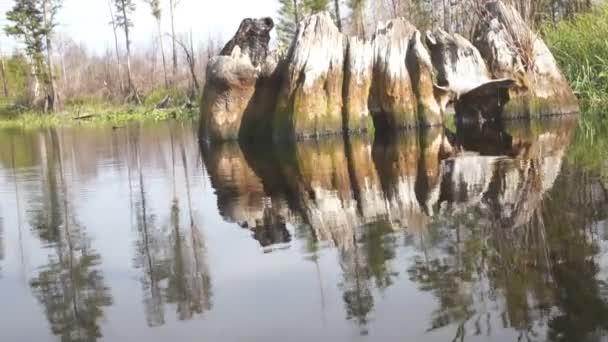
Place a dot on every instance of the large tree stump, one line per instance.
(310, 100)
(357, 82)
(229, 88)
(512, 50)
(462, 71)
(392, 99)
(231, 80)
(420, 68)
(329, 83)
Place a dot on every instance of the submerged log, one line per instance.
(329, 83)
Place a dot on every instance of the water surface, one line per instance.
(141, 233)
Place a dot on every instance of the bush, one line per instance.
(178, 96)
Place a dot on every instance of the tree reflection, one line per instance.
(574, 242)
(150, 257)
(503, 234)
(70, 286)
(1, 243)
(507, 243)
(365, 265)
(189, 283)
(172, 254)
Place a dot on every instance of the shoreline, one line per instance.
(98, 115)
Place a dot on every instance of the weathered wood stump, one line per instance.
(464, 73)
(329, 83)
(357, 83)
(428, 97)
(512, 50)
(232, 77)
(392, 98)
(310, 101)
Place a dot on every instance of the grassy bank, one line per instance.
(99, 112)
(94, 115)
(581, 49)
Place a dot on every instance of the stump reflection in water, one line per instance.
(473, 203)
(142, 233)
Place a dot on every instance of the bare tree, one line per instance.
(124, 9)
(189, 52)
(358, 8)
(3, 73)
(155, 5)
(338, 16)
(49, 11)
(172, 6)
(114, 27)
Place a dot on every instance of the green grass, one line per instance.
(581, 49)
(93, 114)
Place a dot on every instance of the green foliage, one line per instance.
(27, 23)
(315, 6)
(17, 73)
(356, 5)
(124, 8)
(155, 7)
(357, 8)
(96, 114)
(157, 95)
(579, 46)
(33, 22)
(289, 14)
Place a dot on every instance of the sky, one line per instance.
(87, 21)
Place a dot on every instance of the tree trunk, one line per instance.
(172, 4)
(338, 16)
(64, 73)
(191, 62)
(4, 81)
(193, 68)
(132, 89)
(296, 12)
(122, 86)
(395, 13)
(362, 23)
(446, 15)
(162, 51)
(34, 84)
(52, 97)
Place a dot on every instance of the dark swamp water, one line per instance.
(142, 234)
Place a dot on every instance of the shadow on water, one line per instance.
(500, 226)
